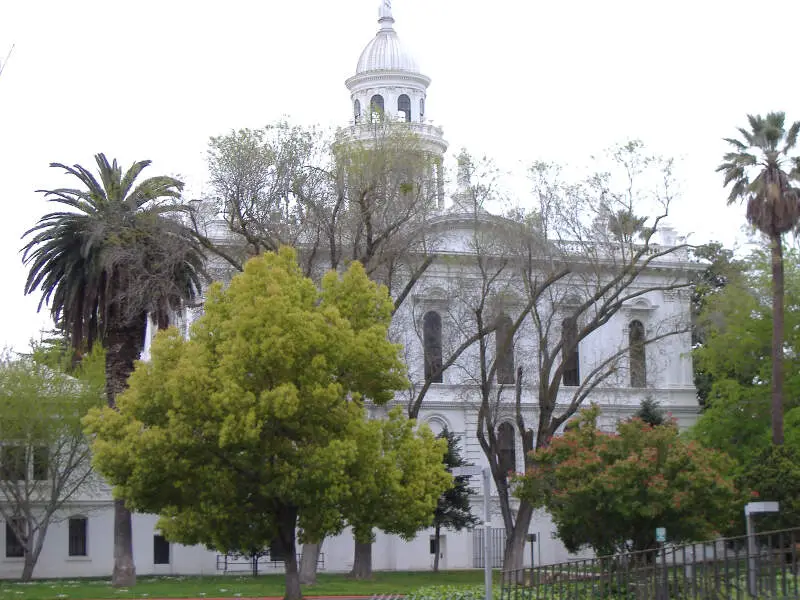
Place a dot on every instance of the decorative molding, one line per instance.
(641, 306)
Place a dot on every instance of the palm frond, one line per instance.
(739, 145)
(131, 175)
(791, 137)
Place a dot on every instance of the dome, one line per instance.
(384, 52)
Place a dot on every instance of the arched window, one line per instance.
(637, 357)
(432, 342)
(421, 109)
(404, 106)
(357, 111)
(572, 359)
(506, 448)
(376, 108)
(504, 350)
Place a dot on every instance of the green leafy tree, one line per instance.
(610, 491)
(258, 413)
(453, 510)
(721, 270)
(763, 174)
(115, 253)
(395, 483)
(736, 356)
(44, 457)
(775, 475)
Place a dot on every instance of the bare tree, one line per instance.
(365, 194)
(536, 286)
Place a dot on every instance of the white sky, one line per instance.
(517, 80)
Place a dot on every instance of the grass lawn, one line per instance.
(232, 586)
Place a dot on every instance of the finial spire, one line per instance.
(385, 14)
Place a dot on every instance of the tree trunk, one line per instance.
(362, 562)
(286, 533)
(777, 340)
(28, 566)
(124, 344)
(293, 591)
(437, 531)
(124, 574)
(514, 555)
(308, 563)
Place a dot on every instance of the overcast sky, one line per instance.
(517, 80)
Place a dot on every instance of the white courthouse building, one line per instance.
(387, 78)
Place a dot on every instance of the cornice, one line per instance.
(385, 76)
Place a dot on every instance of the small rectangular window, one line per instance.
(77, 536)
(160, 550)
(14, 547)
(41, 463)
(12, 463)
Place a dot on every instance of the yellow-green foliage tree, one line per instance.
(395, 483)
(251, 428)
(610, 491)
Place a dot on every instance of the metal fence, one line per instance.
(766, 566)
(497, 539)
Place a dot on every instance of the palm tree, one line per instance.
(117, 254)
(763, 174)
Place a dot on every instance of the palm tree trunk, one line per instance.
(124, 344)
(777, 339)
(124, 574)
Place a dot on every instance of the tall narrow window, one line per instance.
(357, 111)
(637, 357)
(572, 359)
(12, 463)
(77, 536)
(160, 550)
(506, 448)
(432, 342)
(14, 547)
(421, 109)
(376, 108)
(404, 106)
(504, 350)
(41, 463)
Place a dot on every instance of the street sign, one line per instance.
(661, 534)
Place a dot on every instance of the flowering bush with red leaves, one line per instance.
(611, 491)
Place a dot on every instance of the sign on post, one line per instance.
(661, 534)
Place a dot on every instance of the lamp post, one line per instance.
(487, 521)
(751, 509)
